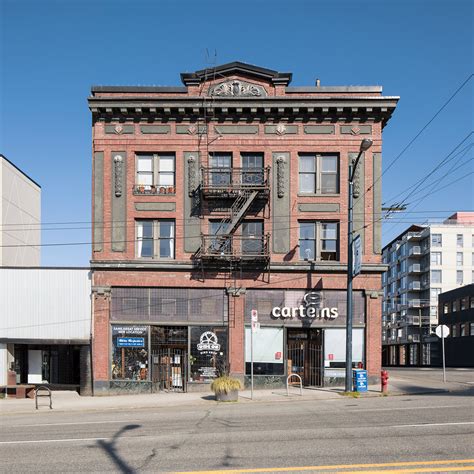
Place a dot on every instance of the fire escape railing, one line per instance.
(228, 247)
(219, 182)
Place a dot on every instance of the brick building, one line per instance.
(222, 196)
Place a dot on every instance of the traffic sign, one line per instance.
(254, 314)
(442, 330)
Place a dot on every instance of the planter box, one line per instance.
(232, 396)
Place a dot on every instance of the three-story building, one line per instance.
(223, 196)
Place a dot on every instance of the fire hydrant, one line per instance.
(384, 381)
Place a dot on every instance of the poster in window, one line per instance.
(208, 357)
(129, 352)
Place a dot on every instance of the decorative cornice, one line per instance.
(291, 108)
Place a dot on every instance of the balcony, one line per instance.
(415, 251)
(414, 236)
(415, 304)
(415, 268)
(152, 190)
(235, 248)
(228, 182)
(414, 286)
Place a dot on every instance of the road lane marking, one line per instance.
(72, 423)
(352, 466)
(421, 469)
(67, 440)
(433, 424)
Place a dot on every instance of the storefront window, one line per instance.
(129, 352)
(208, 355)
(267, 351)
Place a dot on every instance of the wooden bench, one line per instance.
(18, 391)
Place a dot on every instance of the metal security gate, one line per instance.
(170, 369)
(304, 354)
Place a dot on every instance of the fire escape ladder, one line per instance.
(237, 212)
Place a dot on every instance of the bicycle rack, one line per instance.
(38, 393)
(287, 384)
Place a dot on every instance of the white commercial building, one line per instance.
(424, 261)
(20, 217)
(45, 326)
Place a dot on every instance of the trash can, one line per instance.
(359, 380)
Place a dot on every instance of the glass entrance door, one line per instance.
(305, 355)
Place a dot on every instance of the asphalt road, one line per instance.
(295, 436)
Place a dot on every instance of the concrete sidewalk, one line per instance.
(71, 401)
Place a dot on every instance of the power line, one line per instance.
(444, 161)
(420, 132)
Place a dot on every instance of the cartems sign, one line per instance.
(311, 309)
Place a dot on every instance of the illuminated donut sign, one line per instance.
(311, 309)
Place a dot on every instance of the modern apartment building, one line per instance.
(20, 217)
(424, 261)
(223, 198)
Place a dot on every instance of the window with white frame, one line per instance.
(318, 174)
(459, 277)
(436, 258)
(155, 238)
(319, 240)
(459, 259)
(459, 240)
(434, 292)
(436, 240)
(157, 169)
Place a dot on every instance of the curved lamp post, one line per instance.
(364, 146)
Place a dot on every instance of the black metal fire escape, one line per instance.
(239, 189)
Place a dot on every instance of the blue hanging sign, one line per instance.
(130, 342)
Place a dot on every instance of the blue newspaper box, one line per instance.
(359, 377)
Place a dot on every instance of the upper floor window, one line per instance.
(436, 276)
(319, 240)
(156, 169)
(459, 259)
(318, 174)
(459, 240)
(155, 238)
(436, 258)
(252, 237)
(252, 168)
(459, 277)
(436, 240)
(221, 168)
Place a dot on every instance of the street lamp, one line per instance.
(364, 146)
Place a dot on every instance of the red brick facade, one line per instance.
(351, 114)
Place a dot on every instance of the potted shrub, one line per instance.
(226, 388)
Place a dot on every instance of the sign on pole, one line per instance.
(356, 255)
(254, 328)
(442, 331)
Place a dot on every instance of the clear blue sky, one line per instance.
(53, 51)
